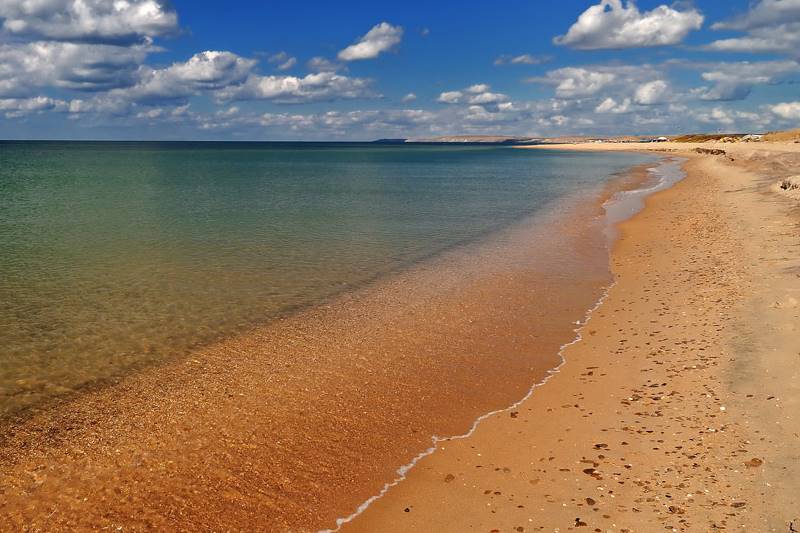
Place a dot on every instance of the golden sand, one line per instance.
(678, 410)
(675, 411)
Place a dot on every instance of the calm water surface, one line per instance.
(115, 255)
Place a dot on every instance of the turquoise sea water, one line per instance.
(115, 255)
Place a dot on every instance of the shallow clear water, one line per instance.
(114, 255)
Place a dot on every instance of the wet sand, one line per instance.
(678, 410)
(297, 423)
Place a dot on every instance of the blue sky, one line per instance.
(146, 69)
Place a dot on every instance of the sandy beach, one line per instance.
(348, 267)
(678, 408)
(674, 410)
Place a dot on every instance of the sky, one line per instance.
(256, 70)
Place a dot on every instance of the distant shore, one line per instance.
(678, 409)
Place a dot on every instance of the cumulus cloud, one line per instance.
(168, 114)
(524, 59)
(450, 97)
(81, 67)
(364, 123)
(575, 82)
(206, 71)
(381, 38)
(18, 107)
(770, 26)
(730, 117)
(77, 57)
(477, 88)
(615, 24)
(609, 105)
(319, 86)
(651, 93)
(478, 94)
(88, 21)
(223, 76)
(488, 98)
(100, 46)
(537, 118)
(781, 38)
(735, 80)
(787, 110)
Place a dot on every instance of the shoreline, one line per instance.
(12, 414)
(260, 432)
(611, 230)
(492, 480)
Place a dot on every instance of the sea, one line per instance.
(115, 256)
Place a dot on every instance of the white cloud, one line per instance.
(651, 93)
(204, 71)
(558, 120)
(82, 67)
(338, 122)
(168, 114)
(450, 97)
(524, 59)
(609, 105)
(207, 72)
(225, 77)
(101, 47)
(763, 13)
(318, 86)
(17, 107)
(780, 38)
(770, 26)
(787, 110)
(488, 97)
(478, 94)
(477, 88)
(735, 81)
(282, 60)
(88, 21)
(615, 24)
(99, 104)
(381, 38)
(575, 82)
(730, 117)
(479, 114)
(231, 111)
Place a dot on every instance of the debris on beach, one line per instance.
(710, 151)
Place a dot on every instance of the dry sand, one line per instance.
(679, 409)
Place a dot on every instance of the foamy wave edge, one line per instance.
(402, 472)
